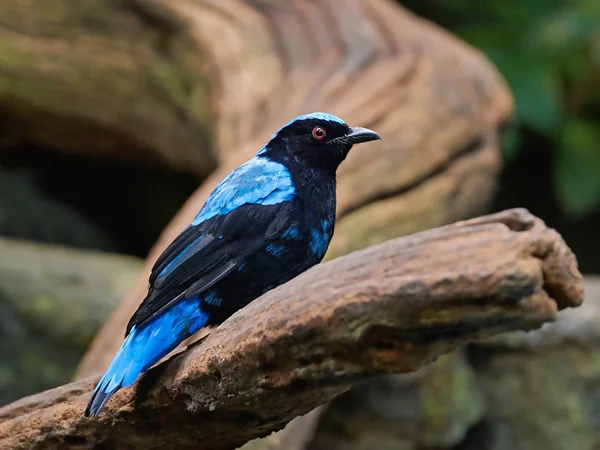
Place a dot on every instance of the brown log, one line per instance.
(437, 103)
(104, 78)
(391, 308)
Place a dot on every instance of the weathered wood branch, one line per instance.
(437, 103)
(391, 308)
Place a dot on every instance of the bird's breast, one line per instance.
(319, 219)
(320, 237)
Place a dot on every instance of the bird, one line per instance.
(268, 221)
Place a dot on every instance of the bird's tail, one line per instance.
(144, 347)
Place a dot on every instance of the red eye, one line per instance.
(318, 133)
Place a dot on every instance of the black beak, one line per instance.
(358, 135)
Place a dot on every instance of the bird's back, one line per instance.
(299, 245)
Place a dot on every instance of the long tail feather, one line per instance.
(144, 347)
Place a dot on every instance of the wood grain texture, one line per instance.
(437, 103)
(391, 308)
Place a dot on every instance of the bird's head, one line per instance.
(317, 140)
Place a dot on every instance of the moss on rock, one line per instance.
(52, 302)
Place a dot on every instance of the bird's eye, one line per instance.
(318, 133)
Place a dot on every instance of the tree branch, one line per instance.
(391, 308)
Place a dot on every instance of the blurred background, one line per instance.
(549, 53)
(81, 205)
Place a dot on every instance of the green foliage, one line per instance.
(549, 53)
(577, 174)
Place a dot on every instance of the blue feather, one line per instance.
(318, 242)
(275, 249)
(145, 346)
(212, 298)
(320, 239)
(293, 232)
(258, 181)
(317, 116)
(182, 257)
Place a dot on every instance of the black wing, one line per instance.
(205, 253)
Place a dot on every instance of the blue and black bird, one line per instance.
(268, 221)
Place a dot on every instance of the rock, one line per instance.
(542, 389)
(516, 391)
(52, 302)
(433, 408)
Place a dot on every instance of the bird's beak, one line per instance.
(359, 134)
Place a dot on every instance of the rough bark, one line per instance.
(52, 302)
(515, 391)
(437, 103)
(391, 308)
